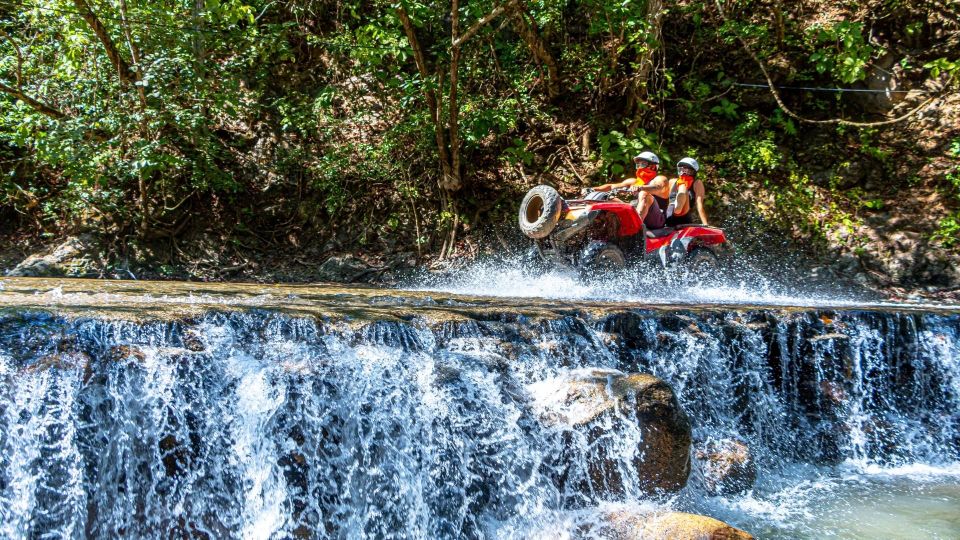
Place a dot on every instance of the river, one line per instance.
(142, 409)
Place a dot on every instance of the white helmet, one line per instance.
(689, 162)
(647, 156)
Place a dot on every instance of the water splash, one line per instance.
(739, 283)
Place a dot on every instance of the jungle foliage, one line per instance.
(402, 123)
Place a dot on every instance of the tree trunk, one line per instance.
(451, 182)
(531, 36)
(429, 94)
(134, 55)
(640, 89)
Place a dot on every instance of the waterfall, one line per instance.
(256, 424)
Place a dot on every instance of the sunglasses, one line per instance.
(642, 163)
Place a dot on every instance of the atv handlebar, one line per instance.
(611, 191)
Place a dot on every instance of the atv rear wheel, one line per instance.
(600, 257)
(540, 212)
(702, 261)
(532, 261)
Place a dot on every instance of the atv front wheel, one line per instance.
(540, 212)
(601, 257)
(702, 261)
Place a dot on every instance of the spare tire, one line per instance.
(540, 211)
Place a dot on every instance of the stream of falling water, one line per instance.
(254, 424)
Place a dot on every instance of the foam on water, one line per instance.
(817, 503)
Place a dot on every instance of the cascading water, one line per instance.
(254, 423)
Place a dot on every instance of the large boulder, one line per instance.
(595, 403)
(665, 526)
(727, 465)
(70, 258)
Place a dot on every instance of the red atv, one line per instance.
(601, 232)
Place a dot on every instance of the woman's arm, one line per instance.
(701, 195)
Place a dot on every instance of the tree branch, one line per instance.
(16, 46)
(134, 55)
(528, 30)
(795, 116)
(494, 13)
(36, 105)
(123, 69)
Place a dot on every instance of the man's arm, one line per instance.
(654, 185)
(607, 187)
(701, 195)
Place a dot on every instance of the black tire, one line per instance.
(702, 261)
(540, 212)
(601, 257)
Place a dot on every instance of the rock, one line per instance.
(587, 400)
(173, 454)
(833, 392)
(853, 173)
(61, 361)
(120, 353)
(848, 263)
(728, 467)
(343, 269)
(666, 526)
(883, 77)
(64, 260)
(192, 341)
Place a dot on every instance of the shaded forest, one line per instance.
(227, 139)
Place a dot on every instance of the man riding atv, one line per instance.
(649, 211)
(599, 232)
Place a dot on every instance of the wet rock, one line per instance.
(67, 259)
(61, 361)
(589, 400)
(828, 352)
(121, 353)
(304, 532)
(728, 467)
(833, 393)
(193, 342)
(173, 454)
(665, 526)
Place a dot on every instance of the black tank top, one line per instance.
(692, 195)
(662, 203)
